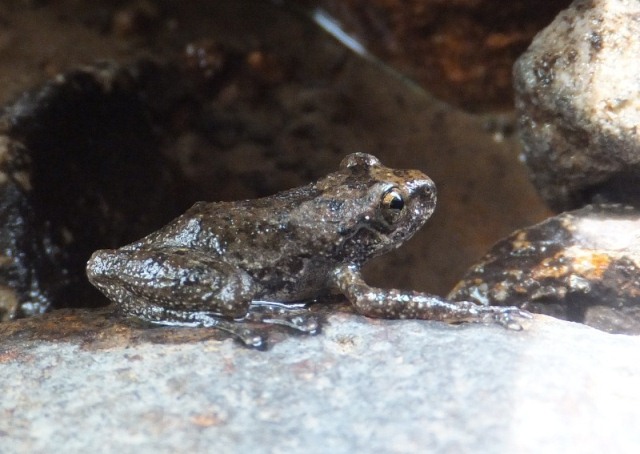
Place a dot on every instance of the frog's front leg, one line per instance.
(381, 303)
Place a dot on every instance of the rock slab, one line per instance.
(362, 385)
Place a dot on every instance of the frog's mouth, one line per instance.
(372, 238)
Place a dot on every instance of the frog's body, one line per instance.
(208, 265)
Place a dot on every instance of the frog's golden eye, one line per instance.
(392, 204)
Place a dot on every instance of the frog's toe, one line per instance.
(509, 317)
(249, 337)
(511, 323)
(255, 341)
(306, 323)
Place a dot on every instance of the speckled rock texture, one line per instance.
(578, 105)
(82, 381)
(581, 265)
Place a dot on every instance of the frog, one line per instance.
(224, 264)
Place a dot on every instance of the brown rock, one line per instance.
(79, 169)
(461, 51)
(582, 266)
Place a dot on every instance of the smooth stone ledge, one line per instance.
(361, 386)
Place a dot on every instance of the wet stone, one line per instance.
(79, 169)
(582, 266)
(578, 105)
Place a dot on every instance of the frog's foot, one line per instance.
(249, 337)
(171, 317)
(510, 317)
(294, 316)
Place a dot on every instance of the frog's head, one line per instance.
(384, 207)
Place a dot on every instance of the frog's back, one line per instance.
(231, 228)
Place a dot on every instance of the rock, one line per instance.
(461, 51)
(582, 265)
(372, 385)
(79, 169)
(578, 105)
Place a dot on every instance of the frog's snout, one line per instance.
(423, 189)
(422, 199)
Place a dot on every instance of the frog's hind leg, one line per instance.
(131, 305)
(174, 286)
(177, 279)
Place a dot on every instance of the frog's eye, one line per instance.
(392, 204)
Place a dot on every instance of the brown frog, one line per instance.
(221, 264)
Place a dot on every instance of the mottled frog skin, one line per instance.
(221, 264)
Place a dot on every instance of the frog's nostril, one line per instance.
(423, 187)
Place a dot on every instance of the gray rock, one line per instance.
(578, 104)
(84, 382)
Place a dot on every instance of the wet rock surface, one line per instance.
(97, 382)
(461, 51)
(578, 105)
(581, 265)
